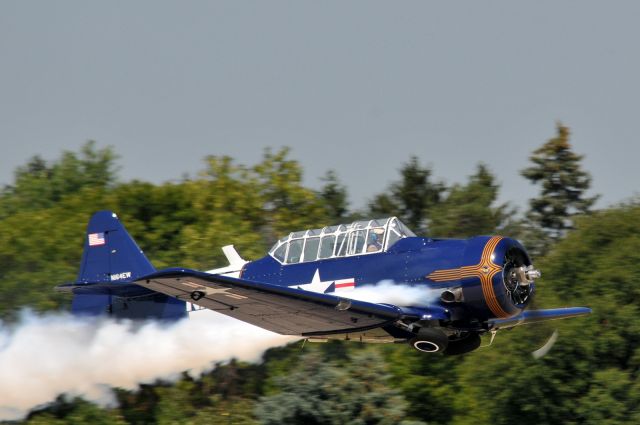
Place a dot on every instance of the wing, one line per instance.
(535, 316)
(276, 308)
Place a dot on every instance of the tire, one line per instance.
(430, 340)
(463, 345)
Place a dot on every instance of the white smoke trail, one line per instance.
(389, 292)
(45, 356)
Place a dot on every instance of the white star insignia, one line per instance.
(316, 284)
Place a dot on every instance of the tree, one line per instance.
(287, 204)
(563, 185)
(469, 209)
(322, 392)
(75, 412)
(39, 185)
(334, 196)
(590, 375)
(411, 198)
(428, 383)
(250, 207)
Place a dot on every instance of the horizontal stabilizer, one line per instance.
(232, 256)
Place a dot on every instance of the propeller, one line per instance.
(519, 275)
(544, 350)
(543, 332)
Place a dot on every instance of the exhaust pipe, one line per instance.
(452, 295)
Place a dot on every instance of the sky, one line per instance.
(354, 86)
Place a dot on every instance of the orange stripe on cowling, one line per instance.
(489, 270)
(485, 270)
(486, 282)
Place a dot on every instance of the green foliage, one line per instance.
(411, 198)
(227, 210)
(563, 185)
(461, 210)
(222, 396)
(427, 383)
(469, 209)
(334, 197)
(287, 204)
(39, 185)
(612, 399)
(76, 412)
(39, 249)
(175, 224)
(590, 376)
(322, 392)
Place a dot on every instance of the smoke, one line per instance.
(389, 292)
(45, 356)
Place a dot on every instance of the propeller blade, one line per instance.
(544, 350)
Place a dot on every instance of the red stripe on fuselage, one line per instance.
(345, 284)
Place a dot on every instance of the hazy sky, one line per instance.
(357, 86)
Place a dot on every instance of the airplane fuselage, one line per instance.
(469, 269)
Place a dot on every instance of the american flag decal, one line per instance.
(96, 239)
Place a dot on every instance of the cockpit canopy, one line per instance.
(357, 238)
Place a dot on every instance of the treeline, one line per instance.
(587, 258)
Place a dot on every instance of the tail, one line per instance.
(111, 261)
(110, 254)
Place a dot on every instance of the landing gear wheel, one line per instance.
(463, 345)
(196, 295)
(430, 340)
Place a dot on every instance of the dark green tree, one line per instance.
(411, 198)
(429, 384)
(40, 185)
(323, 392)
(557, 169)
(470, 209)
(76, 412)
(334, 195)
(287, 204)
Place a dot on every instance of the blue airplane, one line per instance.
(301, 287)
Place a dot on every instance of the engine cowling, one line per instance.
(504, 282)
(496, 278)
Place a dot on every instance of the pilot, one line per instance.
(375, 240)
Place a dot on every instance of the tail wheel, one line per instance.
(430, 340)
(463, 345)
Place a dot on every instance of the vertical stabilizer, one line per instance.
(110, 254)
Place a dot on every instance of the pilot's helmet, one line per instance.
(376, 233)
